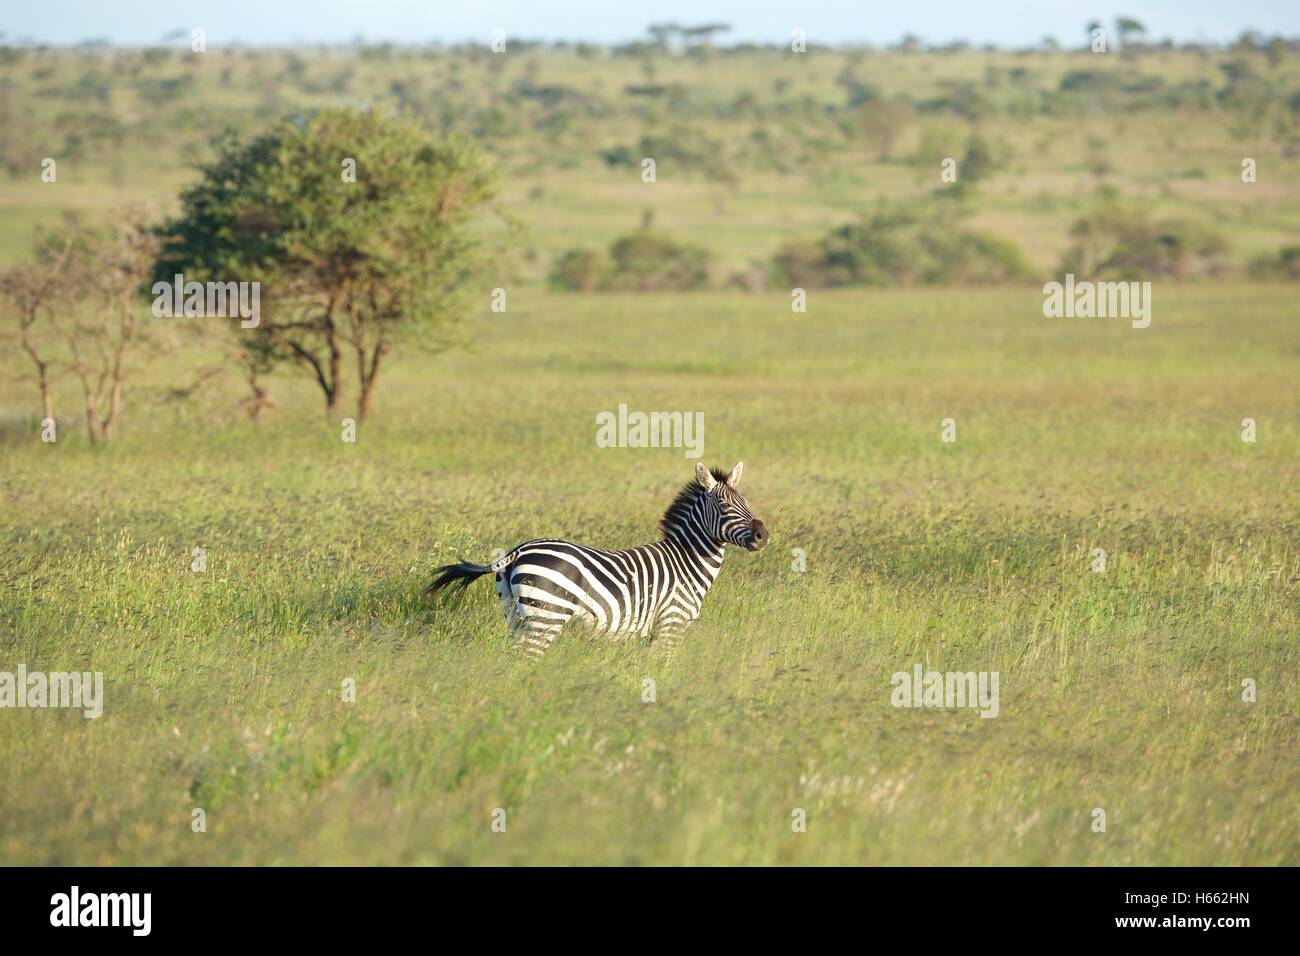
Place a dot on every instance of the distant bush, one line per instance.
(933, 145)
(681, 145)
(1090, 81)
(1284, 264)
(978, 163)
(646, 261)
(901, 245)
(1115, 241)
(805, 265)
(1189, 95)
(579, 270)
(643, 261)
(960, 97)
(753, 278)
(881, 122)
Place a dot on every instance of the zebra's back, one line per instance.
(545, 583)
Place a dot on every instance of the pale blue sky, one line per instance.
(1002, 22)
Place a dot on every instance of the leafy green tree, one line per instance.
(1118, 242)
(883, 121)
(645, 261)
(978, 163)
(579, 270)
(702, 34)
(357, 228)
(1130, 31)
(663, 34)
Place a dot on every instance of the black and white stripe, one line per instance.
(655, 590)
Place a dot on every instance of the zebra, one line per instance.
(654, 590)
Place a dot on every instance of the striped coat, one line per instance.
(655, 590)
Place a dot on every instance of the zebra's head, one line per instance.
(724, 511)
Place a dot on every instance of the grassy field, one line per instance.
(1120, 690)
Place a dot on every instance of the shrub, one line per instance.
(978, 163)
(1120, 242)
(643, 261)
(646, 261)
(1284, 264)
(682, 145)
(899, 245)
(804, 265)
(579, 270)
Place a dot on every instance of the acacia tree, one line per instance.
(883, 121)
(31, 295)
(703, 33)
(355, 226)
(1130, 31)
(75, 310)
(662, 34)
(106, 273)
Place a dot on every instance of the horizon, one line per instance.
(827, 23)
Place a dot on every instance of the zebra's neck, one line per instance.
(696, 568)
(697, 547)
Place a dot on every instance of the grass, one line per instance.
(1119, 690)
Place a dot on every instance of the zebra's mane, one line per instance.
(681, 505)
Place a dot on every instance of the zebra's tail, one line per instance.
(464, 572)
(460, 574)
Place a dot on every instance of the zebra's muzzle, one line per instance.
(759, 531)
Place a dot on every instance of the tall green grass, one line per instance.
(1120, 690)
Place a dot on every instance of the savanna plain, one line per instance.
(1122, 689)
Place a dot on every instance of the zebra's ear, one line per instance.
(733, 479)
(702, 475)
